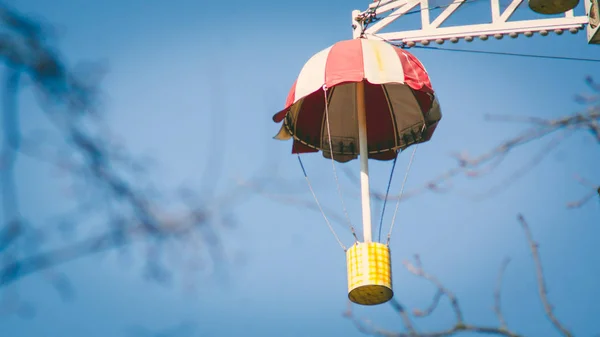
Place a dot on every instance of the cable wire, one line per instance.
(426, 8)
(387, 192)
(403, 45)
(551, 57)
(337, 180)
(412, 157)
(319, 205)
(370, 20)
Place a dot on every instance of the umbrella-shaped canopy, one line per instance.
(401, 108)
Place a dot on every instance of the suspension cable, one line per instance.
(387, 192)
(337, 181)
(319, 205)
(412, 157)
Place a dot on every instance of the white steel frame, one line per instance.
(432, 32)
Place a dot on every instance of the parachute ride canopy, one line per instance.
(366, 98)
(400, 105)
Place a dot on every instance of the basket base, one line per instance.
(370, 294)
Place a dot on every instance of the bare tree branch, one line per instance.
(594, 192)
(183, 329)
(8, 159)
(543, 293)
(460, 326)
(484, 164)
(108, 183)
(498, 293)
(434, 303)
(417, 270)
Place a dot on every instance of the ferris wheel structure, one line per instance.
(381, 13)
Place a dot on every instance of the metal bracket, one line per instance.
(498, 28)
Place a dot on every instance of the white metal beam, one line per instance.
(509, 11)
(405, 7)
(495, 10)
(446, 13)
(425, 20)
(485, 30)
(500, 25)
(386, 6)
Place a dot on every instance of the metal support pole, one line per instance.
(356, 25)
(364, 161)
(363, 150)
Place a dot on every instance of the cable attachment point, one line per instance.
(367, 17)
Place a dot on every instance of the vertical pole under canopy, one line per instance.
(364, 161)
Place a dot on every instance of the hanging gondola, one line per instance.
(368, 99)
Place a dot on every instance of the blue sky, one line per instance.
(287, 276)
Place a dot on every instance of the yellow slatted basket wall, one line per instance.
(369, 273)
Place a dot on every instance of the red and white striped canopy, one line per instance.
(401, 107)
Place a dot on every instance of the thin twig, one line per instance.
(87, 154)
(417, 270)
(460, 325)
(543, 292)
(498, 292)
(431, 308)
(594, 192)
(399, 308)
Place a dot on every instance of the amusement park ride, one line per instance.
(500, 25)
(369, 98)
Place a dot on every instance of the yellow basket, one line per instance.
(369, 273)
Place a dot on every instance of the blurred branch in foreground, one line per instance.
(461, 325)
(594, 191)
(112, 188)
(183, 329)
(557, 130)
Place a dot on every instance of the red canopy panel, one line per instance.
(400, 103)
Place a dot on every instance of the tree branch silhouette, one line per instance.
(112, 182)
(557, 129)
(460, 325)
